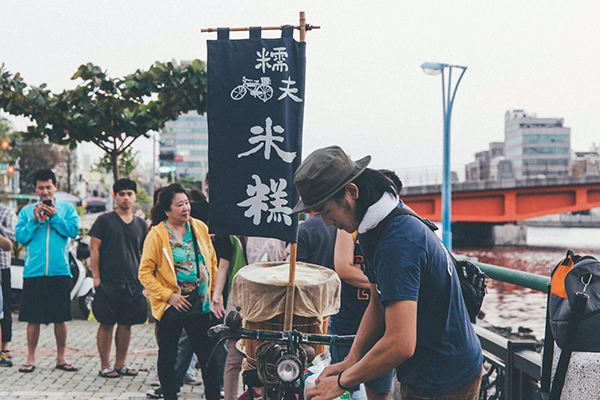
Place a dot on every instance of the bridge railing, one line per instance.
(513, 367)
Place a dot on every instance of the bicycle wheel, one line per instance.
(238, 92)
(264, 93)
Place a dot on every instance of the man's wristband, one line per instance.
(340, 383)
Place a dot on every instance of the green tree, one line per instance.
(112, 113)
(143, 199)
(187, 182)
(128, 162)
(5, 129)
(34, 155)
(37, 154)
(6, 133)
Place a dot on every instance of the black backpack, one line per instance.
(572, 316)
(472, 279)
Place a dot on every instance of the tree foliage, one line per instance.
(128, 162)
(188, 182)
(144, 201)
(34, 155)
(37, 154)
(112, 113)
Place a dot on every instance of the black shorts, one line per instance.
(46, 300)
(120, 303)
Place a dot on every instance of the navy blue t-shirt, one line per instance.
(316, 242)
(411, 263)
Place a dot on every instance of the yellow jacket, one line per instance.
(157, 271)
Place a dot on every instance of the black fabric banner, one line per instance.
(255, 112)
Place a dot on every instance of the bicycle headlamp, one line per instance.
(289, 368)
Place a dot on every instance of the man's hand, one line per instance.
(333, 370)
(96, 282)
(326, 388)
(36, 213)
(47, 210)
(180, 302)
(216, 306)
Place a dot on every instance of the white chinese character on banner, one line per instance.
(258, 201)
(279, 56)
(289, 91)
(268, 141)
(263, 60)
(279, 211)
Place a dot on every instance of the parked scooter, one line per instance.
(82, 286)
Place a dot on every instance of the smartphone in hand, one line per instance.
(47, 202)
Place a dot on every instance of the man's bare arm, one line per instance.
(5, 243)
(95, 260)
(217, 306)
(372, 328)
(396, 346)
(344, 261)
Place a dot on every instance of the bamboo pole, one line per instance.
(291, 290)
(302, 26)
(288, 319)
(307, 27)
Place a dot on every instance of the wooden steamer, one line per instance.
(260, 290)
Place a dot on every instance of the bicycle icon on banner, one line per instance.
(260, 89)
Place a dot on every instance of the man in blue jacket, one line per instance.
(45, 228)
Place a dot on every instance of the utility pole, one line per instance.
(153, 176)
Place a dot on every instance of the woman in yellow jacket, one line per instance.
(178, 269)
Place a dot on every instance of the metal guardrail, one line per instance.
(519, 278)
(513, 369)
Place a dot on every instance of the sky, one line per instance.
(365, 90)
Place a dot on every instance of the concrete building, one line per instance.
(536, 146)
(489, 165)
(586, 163)
(184, 146)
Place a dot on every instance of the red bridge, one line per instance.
(507, 200)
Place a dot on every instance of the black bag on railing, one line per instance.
(472, 279)
(572, 317)
(472, 283)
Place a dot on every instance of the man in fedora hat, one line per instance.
(416, 320)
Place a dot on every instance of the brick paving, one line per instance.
(46, 382)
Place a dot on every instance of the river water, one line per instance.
(512, 307)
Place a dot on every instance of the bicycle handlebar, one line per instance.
(279, 336)
(233, 326)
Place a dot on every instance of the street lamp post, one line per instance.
(448, 95)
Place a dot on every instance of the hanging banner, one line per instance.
(255, 111)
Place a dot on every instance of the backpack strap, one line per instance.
(370, 239)
(546, 379)
(565, 355)
(196, 251)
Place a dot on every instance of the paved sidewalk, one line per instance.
(46, 382)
